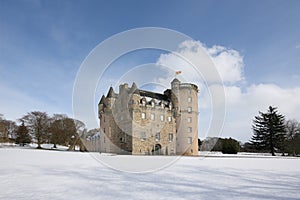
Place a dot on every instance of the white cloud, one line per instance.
(228, 62)
(242, 103)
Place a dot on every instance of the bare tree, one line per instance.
(292, 129)
(7, 129)
(38, 125)
(292, 137)
(62, 128)
(3, 132)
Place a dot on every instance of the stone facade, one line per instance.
(141, 122)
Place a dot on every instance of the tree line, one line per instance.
(39, 127)
(271, 133)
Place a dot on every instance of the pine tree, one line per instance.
(269, 131)
(22, 135)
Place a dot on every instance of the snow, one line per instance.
(50, 146)
(44, 175)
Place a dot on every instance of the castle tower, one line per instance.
(185, 101)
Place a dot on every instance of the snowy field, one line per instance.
(43, 175)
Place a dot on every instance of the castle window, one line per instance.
(189, 99)
(169, 119)
(143, 115)
(189, 119)
(152, 116)
(123, 139)
(104, 130)
(152, 104)
(189, 109)
(103, 118)
(109, 131)
(162, 118)
(170, 137)
(190, 140)
(143, 136)
(162, 105)
(157, 136)
(104, 139)
(189, 129)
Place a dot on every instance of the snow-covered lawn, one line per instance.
(43, 175)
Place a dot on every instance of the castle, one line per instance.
(140, 122)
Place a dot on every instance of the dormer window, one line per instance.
(152, 104)
(143, 101)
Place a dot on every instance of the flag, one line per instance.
(178, 72)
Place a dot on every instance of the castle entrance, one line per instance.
(157, 150)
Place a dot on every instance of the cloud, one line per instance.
(242, 101)
(228, 62)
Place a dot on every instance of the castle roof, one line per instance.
(154, 95)
(102, 100)
(111, 93)
(175, 80)
(134, 89)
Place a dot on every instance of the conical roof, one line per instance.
(134, 89)
(134, 86)
(111, 93)
(102, 100)
(175, 80)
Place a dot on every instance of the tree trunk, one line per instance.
(272, 152)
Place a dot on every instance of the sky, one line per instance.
(255, 46)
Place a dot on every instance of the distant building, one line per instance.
(141, 122)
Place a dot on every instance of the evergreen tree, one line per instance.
(269, 131)
(22, 135)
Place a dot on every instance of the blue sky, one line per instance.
(43, 43)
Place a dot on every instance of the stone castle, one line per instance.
(141, 122)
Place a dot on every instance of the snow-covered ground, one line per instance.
(43, 175)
